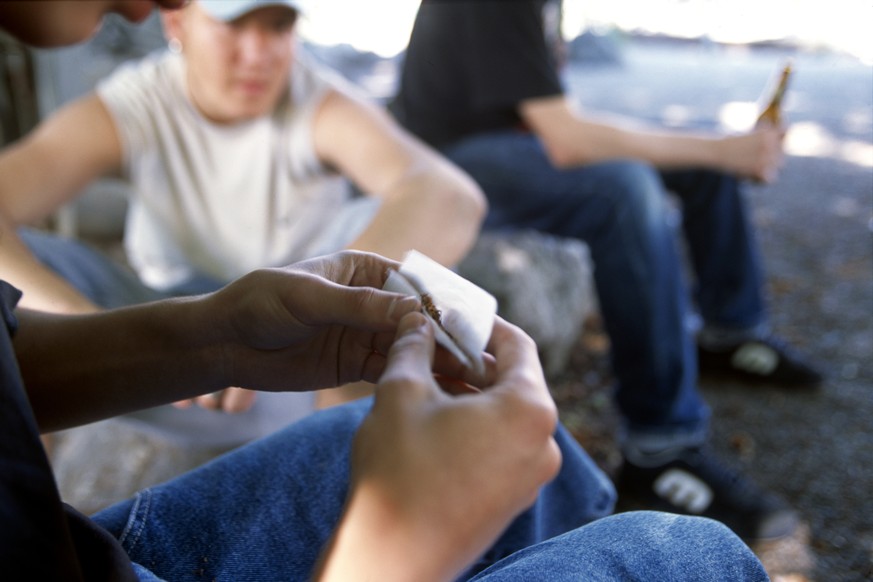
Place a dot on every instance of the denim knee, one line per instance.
(638, 546)
(636, 192)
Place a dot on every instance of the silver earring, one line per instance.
(175, 46)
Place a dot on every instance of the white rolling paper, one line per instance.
(461, 313)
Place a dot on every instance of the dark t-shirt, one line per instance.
(40, 537)
(469, 64)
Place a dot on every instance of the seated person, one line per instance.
(452, 474)
(239, 150)
(285, 508)
(480, 82)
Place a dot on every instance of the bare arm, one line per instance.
(427, 203)
(572, 138)
(38, 175)
(320, 323)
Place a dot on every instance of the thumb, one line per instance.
(410, 359)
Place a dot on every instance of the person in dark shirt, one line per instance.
(415, 485)
(481, 81)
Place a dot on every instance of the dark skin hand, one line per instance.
(313, 325)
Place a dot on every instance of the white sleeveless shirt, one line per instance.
(222, 200)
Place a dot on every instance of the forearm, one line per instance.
(313, 325)
(572, 138)
(756, 155)
(594, 142)
(38, 175)
(42, 288)
(669, 150)
(82, 368)
(369, 545)
(427, 203)
(437, 212)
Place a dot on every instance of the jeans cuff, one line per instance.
(637, 441)
(715, 337)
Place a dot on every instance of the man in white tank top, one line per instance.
(241, 153)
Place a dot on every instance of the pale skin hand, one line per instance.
(230, 400)
(572, 138)
(435, 477)
(757, 155)
(320, 323)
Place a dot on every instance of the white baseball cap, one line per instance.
(228, 10)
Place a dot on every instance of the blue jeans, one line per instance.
(264, 512)
(99, 278)
(620, 210)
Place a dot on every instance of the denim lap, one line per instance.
(264, 511)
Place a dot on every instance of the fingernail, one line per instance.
(415, 322)
(401, 307)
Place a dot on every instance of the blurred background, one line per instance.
(383, 26)
(366, 40)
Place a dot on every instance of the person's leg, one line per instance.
(729, 289)
(261, 512)
(635, 546)
(618, 210)
(264, 512)
(721, 243)
(93, 274)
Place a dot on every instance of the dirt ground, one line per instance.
(814, 447)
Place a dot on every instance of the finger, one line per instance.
(446, 364)
(361, 307)
(236, 400)
(374, 366)
(517, 363)
(454, 386)
(409, 361)
(351, 268)
(211, 401)
(183, 404)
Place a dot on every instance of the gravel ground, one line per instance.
(814, 447)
